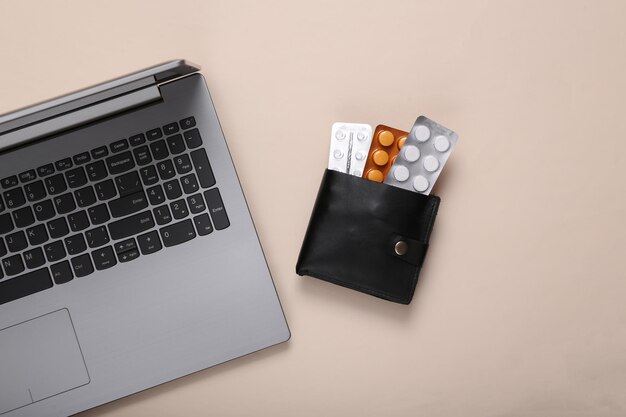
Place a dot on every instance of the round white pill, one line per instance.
(360, 136)
(421, 133)
(338, 154)
(411, 153)
(359, 156)
(420, 183)
(340, 134)
(401, 173)
(442, 143)
(431, 164)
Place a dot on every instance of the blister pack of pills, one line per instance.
(386, 144)
(422, 157)
(349, 146)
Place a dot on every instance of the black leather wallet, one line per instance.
(368, 236)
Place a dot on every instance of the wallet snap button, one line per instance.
(401, 247)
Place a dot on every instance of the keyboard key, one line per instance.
(75, 244)
(54, 251)
(45, 170)
(82, 266)
(105, 190)
(217, 209)
(58, 228)
(3, 250)
(120, 163)
(1, 205)
(203, 224)
(172, 189)
(154, 134)
(136, 140)
(196, 203)
(61, 272)
(104, 258)
(55, 184)
(24, 285)
(190, 184)
(183, 164)
(99, 214)
(37, 235)
(176, 144)
(193, 139)
(119, 146)
(188, 122)
(9, 182)
(28, 176)
(34, 258)
(132, 225)
(13, 265)
(179, 209)
(85, 196)
(177, 233)
(16, 241)
(63, 164)
(44, 210)
(155, 195)
(64, 203)
(76, 177)
(128, 183)
(78, 221)
(35, 191)
(6, 224)
(127, 250)
(203, 168)
(125, 245)
(97, 237)
(142, 155)
(149, 243)
(162, 215)
(170, 128)
(128, 205)
(100, 152)
(159, 149)
(23, 217)
(82, 158)
(149, 175)
(96, 171)
(14, 198)
(128, 256)
(166, 170)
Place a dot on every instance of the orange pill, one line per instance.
(401, 142)
(380, 157)
(375, 175)
(385, 138)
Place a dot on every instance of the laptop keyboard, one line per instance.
(92, 211)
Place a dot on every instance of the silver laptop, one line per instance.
(128, 257)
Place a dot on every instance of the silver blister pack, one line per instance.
(349, 145)
(422, 157)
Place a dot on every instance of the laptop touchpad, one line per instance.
(39, 358)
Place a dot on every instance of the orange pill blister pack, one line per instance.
(386, 144)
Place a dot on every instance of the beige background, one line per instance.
(521, 306)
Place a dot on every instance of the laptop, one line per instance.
(128, 256)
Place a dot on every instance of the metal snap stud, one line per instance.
(401, 247)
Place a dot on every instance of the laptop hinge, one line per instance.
(80, 117)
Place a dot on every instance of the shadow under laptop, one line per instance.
(184, 381)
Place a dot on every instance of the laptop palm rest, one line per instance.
(40, 358)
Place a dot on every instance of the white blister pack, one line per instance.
(422, 157)
(349, 145)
